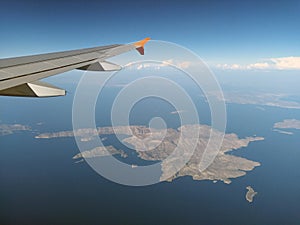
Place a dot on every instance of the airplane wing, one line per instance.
(20, 76)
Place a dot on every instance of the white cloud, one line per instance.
(283, 63)
(180, 64)
(292, 63)
(185, 64)
(230, 66)
(159, 65)
(142, 66)
(167, 62)
(259, 66)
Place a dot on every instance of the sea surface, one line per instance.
(40, 183)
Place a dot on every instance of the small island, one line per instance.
(100, 152)
(250, 194)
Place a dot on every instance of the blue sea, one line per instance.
(41, 184)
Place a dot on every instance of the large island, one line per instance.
(149, 146)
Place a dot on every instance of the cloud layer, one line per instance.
(158, 65)
(283, 63)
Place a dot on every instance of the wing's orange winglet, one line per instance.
(140, 45)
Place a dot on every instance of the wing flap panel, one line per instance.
(34, 89)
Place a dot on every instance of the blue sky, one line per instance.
(219, 31)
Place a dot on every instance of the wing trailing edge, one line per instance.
(101, 66)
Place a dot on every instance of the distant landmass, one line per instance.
(149, 146)
(257, 98)
(6, 129)
(288, 124)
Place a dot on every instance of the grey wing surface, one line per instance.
(20, 76)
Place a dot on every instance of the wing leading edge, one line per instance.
(20, 76)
